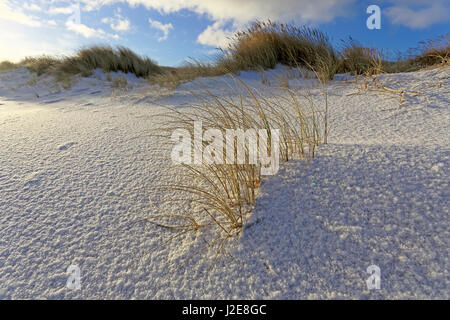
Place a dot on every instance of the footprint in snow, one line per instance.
(53, 101)
(34, 178)
(66, 146)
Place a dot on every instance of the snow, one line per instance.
(77, 167)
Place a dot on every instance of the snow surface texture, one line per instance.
(76, 166)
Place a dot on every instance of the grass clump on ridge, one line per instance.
(265, 44)
(171, 77)
(433, 51)
(7, 65)
(86, 60)
(40, 65)
(360, 60)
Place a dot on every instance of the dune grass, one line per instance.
(433, 51)
(265, 44)
(360, 60)
(357, 59)
(171, 77)
(226, 192)
(7, 65)
(120, 82)
(40, 65)
(85, 61)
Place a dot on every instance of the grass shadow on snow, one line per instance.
(314, 232)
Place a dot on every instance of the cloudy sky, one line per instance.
(169, 31)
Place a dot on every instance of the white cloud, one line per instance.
(32, 7)
(121, 25)
(418, 14)
(118, 23)
(16, 15)
(62, 10)
(164, 28)
(88, 32)
(215, 35)
(84, 30)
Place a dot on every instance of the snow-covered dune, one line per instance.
(77, 167)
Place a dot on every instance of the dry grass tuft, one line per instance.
(434, 52)
(86, 60)
(359, 60)
(226, 192)
(265, 44)
(7, 65)
(173, 77)
(40, 65)
(373, 84)
(119, 82)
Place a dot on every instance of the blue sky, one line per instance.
(170, 31)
